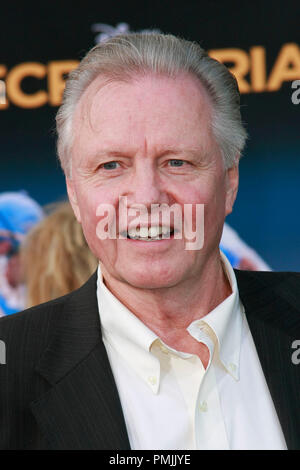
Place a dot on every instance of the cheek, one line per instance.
(212, 198)
(87, 204)
(88, 210)
(90, 201)
(200, 192)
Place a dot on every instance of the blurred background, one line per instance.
(258, 40)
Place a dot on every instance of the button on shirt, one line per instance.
(170, 401)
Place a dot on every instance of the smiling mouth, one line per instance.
(153, 233)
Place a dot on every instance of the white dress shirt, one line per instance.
(170, 401)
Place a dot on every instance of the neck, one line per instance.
(169, 311)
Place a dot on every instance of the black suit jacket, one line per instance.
(57, 389)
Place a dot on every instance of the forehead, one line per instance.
(159, 109)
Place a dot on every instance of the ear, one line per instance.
(232, 184)
(73, 198)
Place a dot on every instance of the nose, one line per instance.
(146, 186)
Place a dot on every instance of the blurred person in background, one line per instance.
(18, 214)
(55, 256)
(239, 254)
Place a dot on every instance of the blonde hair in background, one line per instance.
(56, 257)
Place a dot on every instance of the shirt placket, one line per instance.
(210, 431)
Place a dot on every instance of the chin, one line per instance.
(150, 284)
(152, 278)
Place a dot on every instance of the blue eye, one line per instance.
(176, 163)
(110, 165)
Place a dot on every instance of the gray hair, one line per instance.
(123, 57)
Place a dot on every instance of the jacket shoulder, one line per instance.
(272, 297)
(267, 276)
(281, 283)
(35, 317)
(31, 330)
(25, 335)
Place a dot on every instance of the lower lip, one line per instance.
(151, 244)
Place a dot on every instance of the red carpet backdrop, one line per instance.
(258, 41)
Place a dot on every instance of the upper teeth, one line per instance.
(153, 232)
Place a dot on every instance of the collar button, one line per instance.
(152, 380)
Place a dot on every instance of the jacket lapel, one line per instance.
(82, 410)
(274, 319)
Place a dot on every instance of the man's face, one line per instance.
(149, 141)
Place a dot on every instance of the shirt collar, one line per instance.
(133, 340)
(223, 326)
(127, 335)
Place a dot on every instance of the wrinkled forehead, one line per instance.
(102, 89)
(166, 111)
